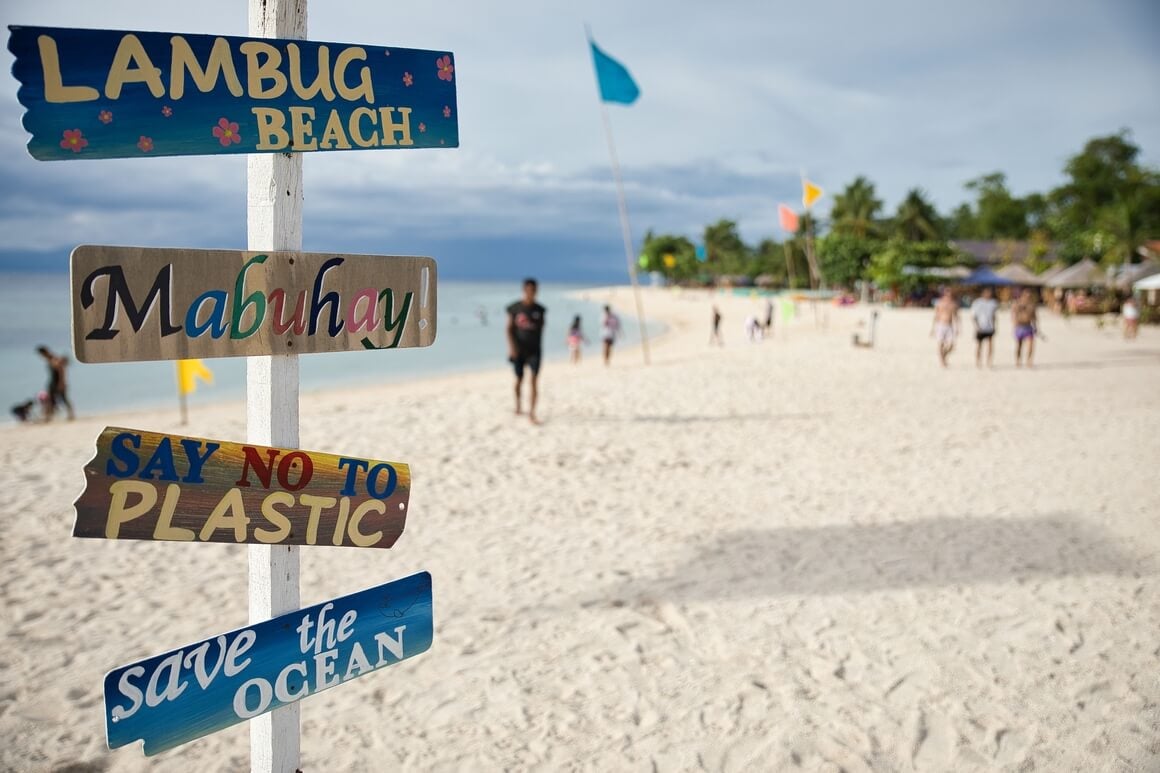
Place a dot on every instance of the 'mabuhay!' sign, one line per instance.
(138, 303)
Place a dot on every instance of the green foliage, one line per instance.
(856, 209)
(844, 259)
(726, 252)
(656, 247)
(962, 224)
(917, 219)
(887, 264)
(998, 214)
(1108, 206)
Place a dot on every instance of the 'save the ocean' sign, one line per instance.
(201, 688)
(146, 485)
(115, 94)
(138, 303)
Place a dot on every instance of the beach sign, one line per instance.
(139, 303)
(118, 94)
(199, 689)
(150, 486)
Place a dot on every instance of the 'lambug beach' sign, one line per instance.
(201, 688)
(138, 303)
(112, 94)
(146, 485)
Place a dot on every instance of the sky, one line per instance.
(738, 99)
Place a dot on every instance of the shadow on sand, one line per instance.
(854, 558)
(743, 418)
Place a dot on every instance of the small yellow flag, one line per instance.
(810, 193)
(670, 261)
(188, 372)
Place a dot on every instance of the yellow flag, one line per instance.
(188, 372)
(670, 261)
(810, 193)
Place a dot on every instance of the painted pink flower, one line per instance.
(422, 127)
(105, 116)
(445, 68)
(446, 111)
(74, 140)
(145, 144)
(167, 111)
(407, 79)
(226, 131)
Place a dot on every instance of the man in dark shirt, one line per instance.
(525, 333)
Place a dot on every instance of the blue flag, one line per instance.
(616, 85)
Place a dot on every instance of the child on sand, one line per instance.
(575, 339)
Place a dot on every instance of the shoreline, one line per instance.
(418, 381)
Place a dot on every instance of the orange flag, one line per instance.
(789, 219)
(810, 193)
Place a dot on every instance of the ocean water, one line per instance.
(35, 309)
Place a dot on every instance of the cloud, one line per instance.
(738, 98)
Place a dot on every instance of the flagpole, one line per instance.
(625, 231)
(622, 205)
(788, 265)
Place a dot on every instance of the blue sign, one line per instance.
(111, 94)
(201, 688)
(700, 252)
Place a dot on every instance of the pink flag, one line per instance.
(789, 219)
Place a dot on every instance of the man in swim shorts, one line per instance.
(1026, 326)
(945, 327)
(983, 311)
(525, 333)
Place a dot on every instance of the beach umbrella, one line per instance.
(1084, 274)
(1020, 275)
(985, 276)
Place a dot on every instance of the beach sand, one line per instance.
(777, 556)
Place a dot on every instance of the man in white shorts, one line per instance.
(945, 327)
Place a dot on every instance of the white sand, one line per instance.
(762, 557)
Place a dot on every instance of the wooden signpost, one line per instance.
(186, 693)
(118, 94)
(138, 303)
(273, 96)
(146, 485)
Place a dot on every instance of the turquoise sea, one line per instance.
(35, 309)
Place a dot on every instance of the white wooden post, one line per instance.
(274, 222)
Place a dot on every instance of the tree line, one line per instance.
(1108, 205)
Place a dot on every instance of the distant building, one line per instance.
(1000, 251)
(1149, 250)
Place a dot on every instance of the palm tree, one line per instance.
(917, 220)
(855, 209)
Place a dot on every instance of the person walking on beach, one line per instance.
(525, 333)
(57, 383)
(715, 334)
(1026, 324)
(1131, 314)
(609, 332)
(575, 340)
(752, 329)
(768, 326)
(945, 327)
(983, 311)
